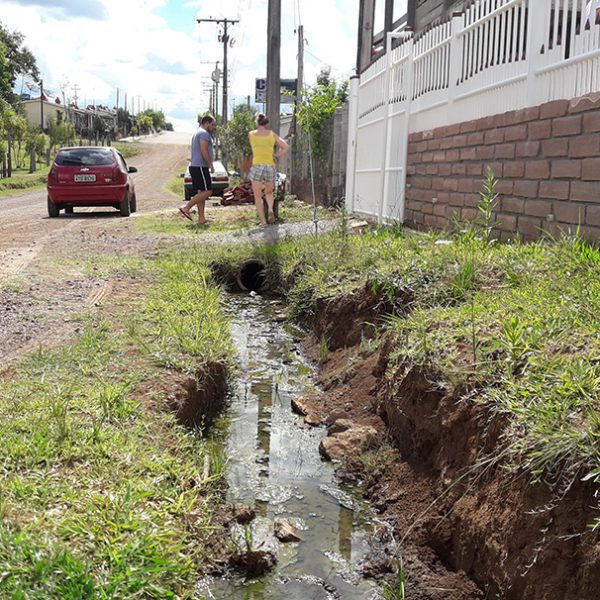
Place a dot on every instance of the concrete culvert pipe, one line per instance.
(252, 276)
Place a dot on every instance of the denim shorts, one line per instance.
(263, 173)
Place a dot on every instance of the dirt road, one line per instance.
(42, 284)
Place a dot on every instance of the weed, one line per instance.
(487, 205)
(323, 350)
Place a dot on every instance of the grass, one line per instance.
(225, 218)
(102, 493)
(129, 149)
(515, 322)
(22, 181)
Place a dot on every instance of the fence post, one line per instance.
(386, 127)
(538, 32)
(455, 59)
(352, 132)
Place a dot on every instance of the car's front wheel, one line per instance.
(53, 209)
(125, 206)
(187, 195)
(133, 204)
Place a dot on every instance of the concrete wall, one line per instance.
(546, 158)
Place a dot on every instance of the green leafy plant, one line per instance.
(487, 205)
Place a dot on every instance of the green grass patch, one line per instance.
(129, 149)
(23, 181)
(103, 494)
(225, 218)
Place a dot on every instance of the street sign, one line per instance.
(288, 91)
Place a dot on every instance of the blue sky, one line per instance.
(154, 50)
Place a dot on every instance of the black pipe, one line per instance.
(252, 276)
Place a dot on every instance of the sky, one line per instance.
(156, 52)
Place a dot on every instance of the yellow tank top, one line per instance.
(262, 148)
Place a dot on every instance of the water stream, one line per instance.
(275, 467)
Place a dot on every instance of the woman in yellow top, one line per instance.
(263, 173)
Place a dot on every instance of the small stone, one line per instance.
(286, 532)
(243, 514)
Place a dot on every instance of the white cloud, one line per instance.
(129, 46)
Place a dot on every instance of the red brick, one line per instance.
(427, 156)
(468, 214)
(447, 130)
(475, 139)
(423, 183)
(538, 208)
(557, 108)
(584, 103)
(496, 167)
(591, 169)
(437, 183)
(415, 137)
(529, 227)
(428, 134)
(585, 145)
(514, 169)
(513, 205)
(465, 185)
(458, 141)
(569, 212)
(591, 234)
(475, 169)
(507, 222)
(585, 191)
(452, 155)
(591, 122)
(539, 130)
(515, 133)
(421, 146)
(554, 189)
(444, 169)
(504, 151)
(592, 215)
(472, 200)
(459, 168)
(567, 125)
(526, 189)
(434, 144)
(468, 126)
(504, 186)
(494, 136)
(439, 156)
(457, 199)
(446, 143)
(421, 169)
(431, 169)
(485, 152)
(450, 185)
(527, 149)
(537, 169)
(415, 157)
(566, 168)
(439, 209)
(526, 114)
(410, 169)
(468, 153)
(555, 147)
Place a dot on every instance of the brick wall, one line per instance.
(546, 158)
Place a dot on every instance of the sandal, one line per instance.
(185, 214)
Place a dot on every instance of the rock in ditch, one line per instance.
(286, 532)
(347, 441)
(243, 514)
(310, 408)
(254, 563)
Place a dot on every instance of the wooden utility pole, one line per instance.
(300, 75)
(366, 17)
(273, 63)
(42, 104)
(224, 37)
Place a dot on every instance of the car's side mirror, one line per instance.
(181, 174)
(132, 170)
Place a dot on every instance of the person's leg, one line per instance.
(269, 196)
(203, 197)
(257, 188)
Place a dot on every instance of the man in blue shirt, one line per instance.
(201, 166)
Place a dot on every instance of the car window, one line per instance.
(88, 157)
(124, 164)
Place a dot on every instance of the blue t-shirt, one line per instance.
(197, 158)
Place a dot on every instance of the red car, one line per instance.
(90, 176)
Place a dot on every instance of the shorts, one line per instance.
(201, 180)
(263, 173)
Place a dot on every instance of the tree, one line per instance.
(145, 123)
(59, 133)
(235, 137)
(318, 105)
(18, 61)
(35, 144)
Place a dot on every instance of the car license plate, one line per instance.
(85, 178)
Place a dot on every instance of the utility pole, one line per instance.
(117, 98)
(224, 37)
(42, 104)
(273, 63)
(300, 80)
(366, 17)
(75, 97)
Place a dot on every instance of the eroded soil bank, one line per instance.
(463, 527)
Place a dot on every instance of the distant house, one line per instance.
(40, 108)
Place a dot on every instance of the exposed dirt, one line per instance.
(463, 527)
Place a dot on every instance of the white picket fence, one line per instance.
(497, 56)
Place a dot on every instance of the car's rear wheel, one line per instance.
(125, 206)
(53, 209)
(188, 195)
(69, 210)
(133, 204)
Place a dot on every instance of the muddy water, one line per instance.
(274, 466)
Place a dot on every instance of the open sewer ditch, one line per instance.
(275, 468)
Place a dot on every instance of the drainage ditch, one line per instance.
(275, 470)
